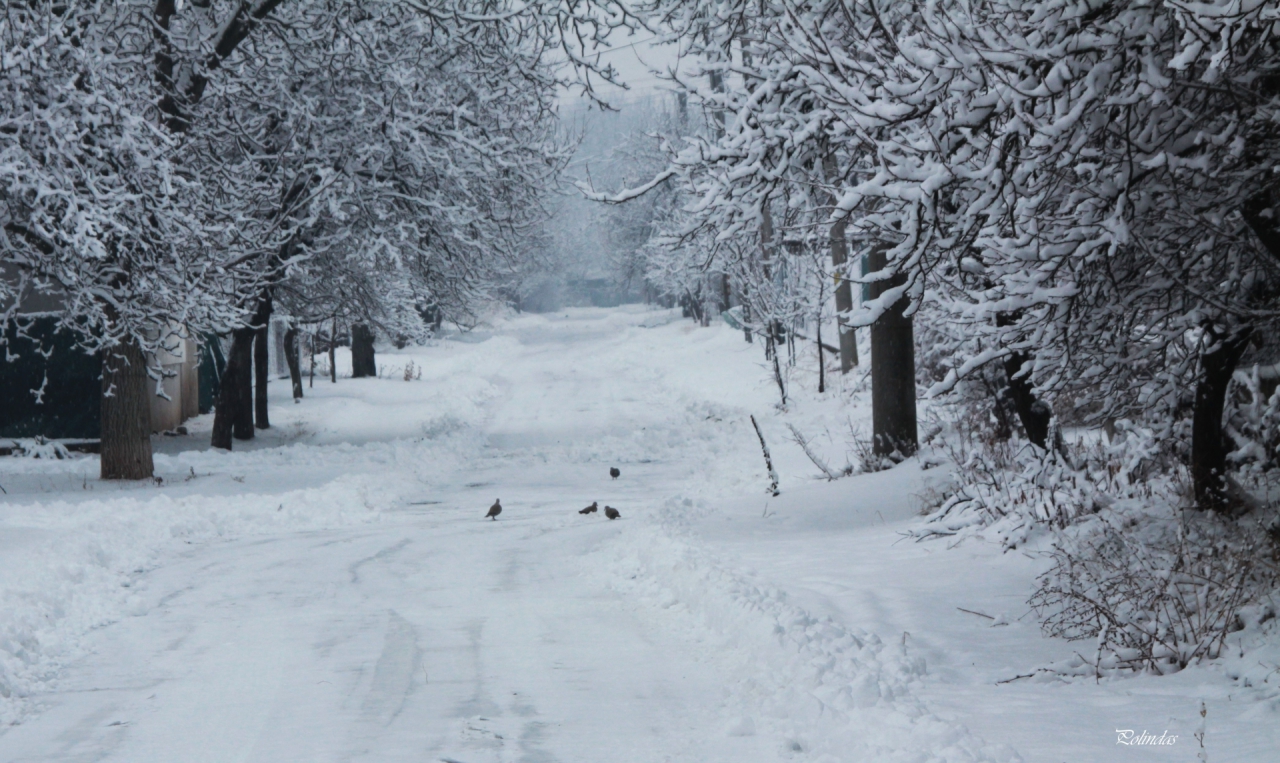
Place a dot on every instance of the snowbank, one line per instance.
(830, 691)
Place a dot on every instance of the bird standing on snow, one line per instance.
(611, 512)
(613, 472)
(590, 509)
(494, 510)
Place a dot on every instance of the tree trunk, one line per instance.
(704, 289)
(291, 357)
(822, 371)
(844, 292)
(125, 411)
(333, 352)
(233, 412)
(893, 370)
(261, 375)
(362, 360)
(1033, 412)
(242, 381)
(1208, 448)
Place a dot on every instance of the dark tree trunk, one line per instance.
(125, 411)
(1208, 447)
(261, 376)
(224, 406)
(242, 380)
(333, 352)
(291, 357)
(822, 371)
(362, 360)
(771, 351)
(844, 292)
(1034, 413)
(233, 412)
(893, 371)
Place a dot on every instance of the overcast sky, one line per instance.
(634, 57)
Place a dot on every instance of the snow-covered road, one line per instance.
(432, 636)
(333, 593)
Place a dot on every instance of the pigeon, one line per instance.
(611, 512)
(613, 472)
(590, 509)
(495, 510)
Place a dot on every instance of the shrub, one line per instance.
(1156, 592)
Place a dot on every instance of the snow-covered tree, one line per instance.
(99, 211)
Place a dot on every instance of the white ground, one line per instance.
(330, 592)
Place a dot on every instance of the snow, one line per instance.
(331, 590)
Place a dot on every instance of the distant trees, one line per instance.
(434, 151)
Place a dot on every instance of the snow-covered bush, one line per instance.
(1156, 589)
(40, 447)
(861, 449)
(1014, 487)
(1156, 584)
(1252, 424)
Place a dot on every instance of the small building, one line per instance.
(181, 386)
(51, 387)
(48, 386)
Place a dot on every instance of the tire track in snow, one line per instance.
(395, 671)
(354, 569)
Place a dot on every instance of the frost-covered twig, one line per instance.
(1203, 755)
(768, 460)
(818, 462)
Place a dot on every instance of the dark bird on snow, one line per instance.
(494, 510)
(611, 512)
(613, 472)
(590, 509)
